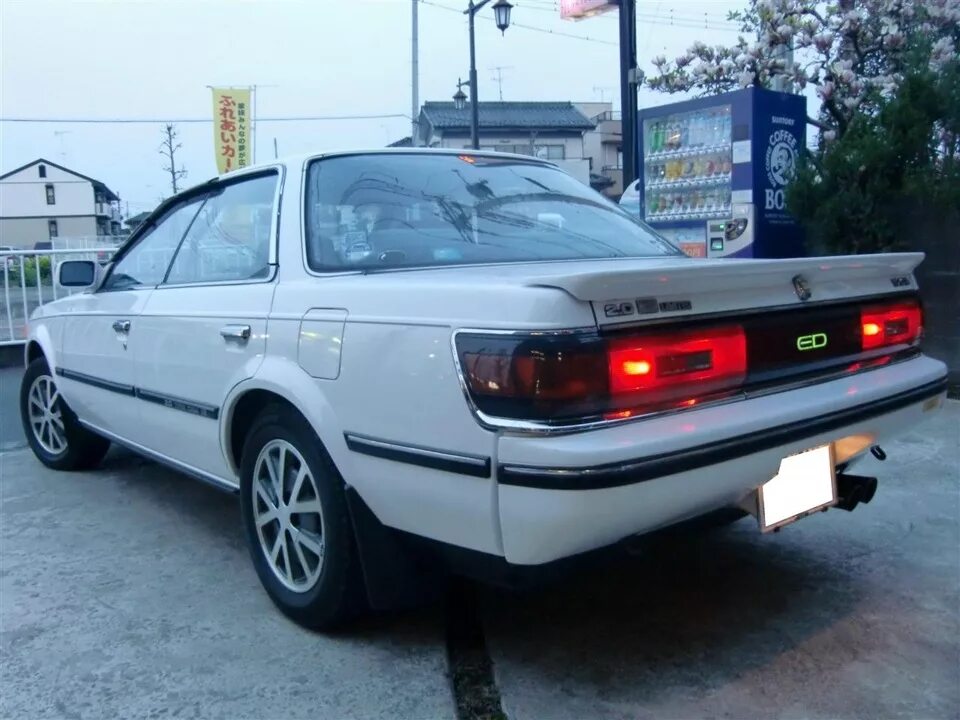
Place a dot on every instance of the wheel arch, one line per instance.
(278, 381)
(39, 345)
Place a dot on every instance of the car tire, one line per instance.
(284, 544)
(52, 429)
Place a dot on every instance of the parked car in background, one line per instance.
(43, 245)
(8, 260)
(471, 358)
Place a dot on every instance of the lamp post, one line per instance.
(501, 12)
(460, 97)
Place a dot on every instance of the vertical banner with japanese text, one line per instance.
(232, 140)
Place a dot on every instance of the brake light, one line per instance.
(578, 376)
(668, 365)
(895, 323)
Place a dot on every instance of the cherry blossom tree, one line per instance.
(855, 52)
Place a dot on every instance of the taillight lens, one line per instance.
(657, 368)
(579, 376)
(895, 323)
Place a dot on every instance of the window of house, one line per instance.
(550, 152)
(43, 171)
(52, 228)
(51, 196)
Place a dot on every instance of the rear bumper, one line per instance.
(559, 496)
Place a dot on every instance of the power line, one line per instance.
(127, 121)
(533, 28)
(711, 22)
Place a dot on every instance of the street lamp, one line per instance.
(460, 97)
(501, 12)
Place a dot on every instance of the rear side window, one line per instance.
(383, 211)
(229, 240)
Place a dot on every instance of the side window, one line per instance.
(147, 261)
(230, 239)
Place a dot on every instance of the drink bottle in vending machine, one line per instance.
(722, 162)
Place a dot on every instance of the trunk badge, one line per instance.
(802, 288)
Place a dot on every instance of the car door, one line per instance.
(100, 329)
(204, 328)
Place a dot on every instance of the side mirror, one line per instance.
(77, 273)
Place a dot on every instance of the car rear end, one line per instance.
(611, 385)
(749, 384)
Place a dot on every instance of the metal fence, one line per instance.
(29, 281)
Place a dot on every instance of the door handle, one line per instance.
(121, 326)
(235, 332)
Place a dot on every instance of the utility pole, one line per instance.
(168, 149)
(415, 72)
(628, 88)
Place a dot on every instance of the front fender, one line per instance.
(41, 334)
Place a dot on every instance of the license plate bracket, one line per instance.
(806, 483)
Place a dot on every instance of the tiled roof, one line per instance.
(532, 115)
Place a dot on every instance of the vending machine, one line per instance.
(713, 172)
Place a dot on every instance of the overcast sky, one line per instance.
(155, 59)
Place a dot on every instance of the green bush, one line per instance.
(852, 194)
(30, 264)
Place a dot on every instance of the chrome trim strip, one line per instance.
(638, 470)
(202, 475)
(474, 465)
(175, 403)
(96, 381)
(171, 401)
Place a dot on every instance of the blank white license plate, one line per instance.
(805, 483)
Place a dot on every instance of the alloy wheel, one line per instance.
(46, 417)
(286, 511)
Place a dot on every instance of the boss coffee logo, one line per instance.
(781, 163)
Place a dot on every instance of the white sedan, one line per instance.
(469, 358)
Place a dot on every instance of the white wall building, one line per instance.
(46, 202)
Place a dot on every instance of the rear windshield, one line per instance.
(406, 210)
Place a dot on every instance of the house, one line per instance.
(134, 221)
(582, 138)
(42, 201)
(549, 130)
(604, 146)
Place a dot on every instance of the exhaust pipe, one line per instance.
(853, 490)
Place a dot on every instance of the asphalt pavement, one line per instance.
(128, 592)
(841, 615)
(11, 430)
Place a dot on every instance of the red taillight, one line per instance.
(560, 378)
(895, 323)
(677, 365)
